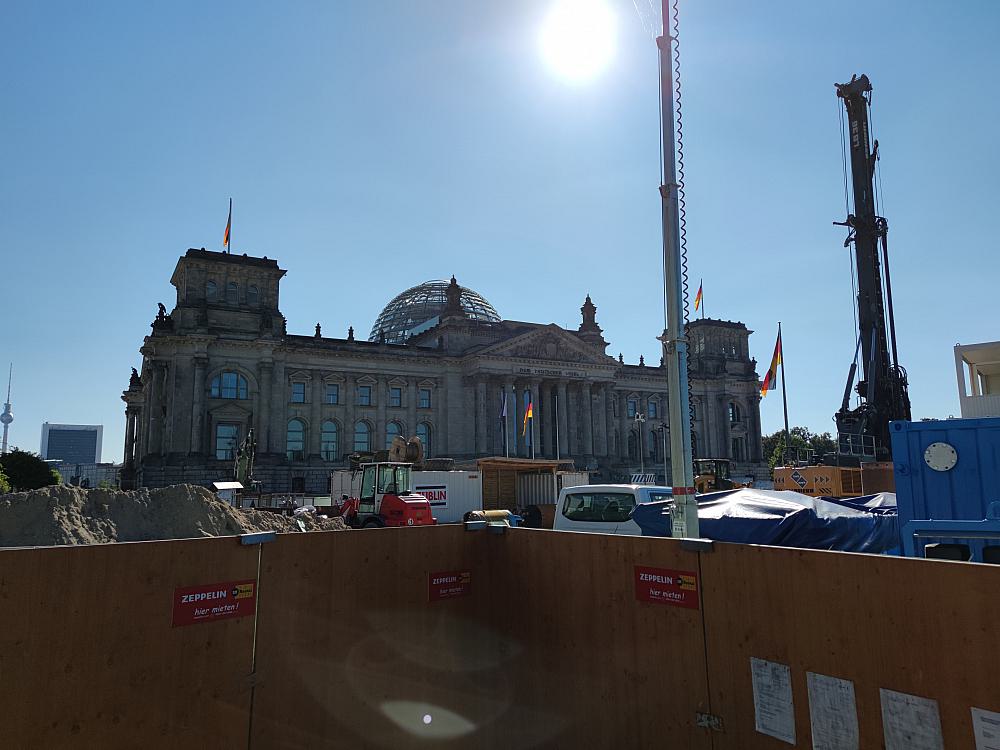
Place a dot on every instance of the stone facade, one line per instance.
(221, 362)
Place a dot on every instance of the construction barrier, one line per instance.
(437, 636)
(90, 655)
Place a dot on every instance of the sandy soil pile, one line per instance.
(70, 515)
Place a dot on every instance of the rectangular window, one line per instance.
(633, 407)
(395, 397)
(364, 395)
(598, 506)
(737, 449)
(651, 410)
(425, 398)
(298, 393)
(229, 384)
(332, 393)
(226, 437)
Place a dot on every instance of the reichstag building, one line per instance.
(439, 363)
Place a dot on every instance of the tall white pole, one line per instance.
(675, 347)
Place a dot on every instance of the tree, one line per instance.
(27, 471)
(801, 441)
(4, 482)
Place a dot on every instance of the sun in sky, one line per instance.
(577, 38)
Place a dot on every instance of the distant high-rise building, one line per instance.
(72, 443)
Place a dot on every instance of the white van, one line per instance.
(604, 508)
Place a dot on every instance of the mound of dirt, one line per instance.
(70, 515)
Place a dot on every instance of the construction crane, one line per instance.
(863, 431)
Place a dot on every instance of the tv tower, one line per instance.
(7, 417)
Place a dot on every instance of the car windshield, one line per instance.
(598, 506)
(656, 497)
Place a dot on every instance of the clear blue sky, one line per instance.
(371, 146)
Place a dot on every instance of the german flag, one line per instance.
(527, 415)
(229, 225)
(771, 378)
(697, 297)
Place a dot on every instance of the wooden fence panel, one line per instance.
(925, 628)
(89, 657)
(595, 666)
(352, 653)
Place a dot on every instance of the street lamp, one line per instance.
(640, 418)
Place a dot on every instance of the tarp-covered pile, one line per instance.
(786, 519)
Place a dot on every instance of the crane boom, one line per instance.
(864, 430)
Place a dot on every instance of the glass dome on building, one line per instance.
(420, 308)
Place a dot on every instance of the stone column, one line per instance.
(600, 423)
(350, 397)
(535, 426)
(198, 404)
(412, 394)
(315, 415)
(508, 438)
(587, 414)
(482, 410)
(279, 409)
(264, 370)
(644, 428)
(573, 433)
(624, 427)
(156, 409)
(381, 394)
(609, 420)
(130, 420)
(563, 408)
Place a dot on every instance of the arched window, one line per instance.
(392, 430)
(296, 442)
(362, 437)
(253, 296)
(232, 293)
(424, 433)
(211, 291)
(230, 384)
(734, 412)
(329, 447)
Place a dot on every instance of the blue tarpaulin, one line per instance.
(785, 519)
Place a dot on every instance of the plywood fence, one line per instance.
(543, 643)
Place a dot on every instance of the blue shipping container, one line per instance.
(962, 492)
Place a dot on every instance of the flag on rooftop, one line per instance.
(771, 377)
(697, 297)
(229, 225)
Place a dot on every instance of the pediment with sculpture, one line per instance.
(549, 343)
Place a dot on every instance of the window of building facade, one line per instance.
(253, 295)
(295, 444)
(392, 430)
(362, 437)
(425, 398)
(734, 412)
(652, 410)
(395, 396)
(298, 484)
(211, 291)
(633, 407)
(694, 410)
(424, 433)
(298, 393)
(694, 445)
(226, 438)
(364, 395)
(232, 293)
(329, 447)
(633, 446)
(229, 385)
(332, 393)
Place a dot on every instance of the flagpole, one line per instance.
(784, 396)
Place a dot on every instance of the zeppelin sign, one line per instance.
(214, 601)
(663, 586)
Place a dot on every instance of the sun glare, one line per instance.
(578, 38)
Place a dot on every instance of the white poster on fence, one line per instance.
(986, 728)
(772, 699)
(910, 722)
(833, 713)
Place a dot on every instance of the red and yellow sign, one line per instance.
(664, 586)
(214, 601)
